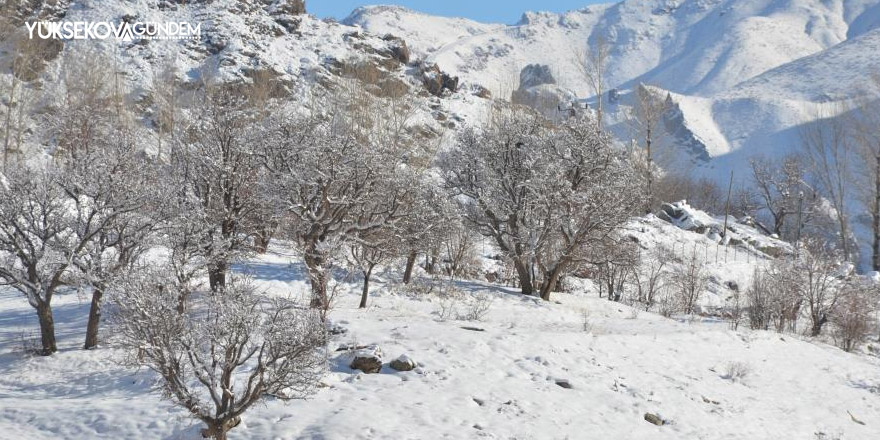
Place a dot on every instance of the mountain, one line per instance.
(742, 73)
(698, 47)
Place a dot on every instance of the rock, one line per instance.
(654, 419)
(438, 82)
(614, 96)
(482, 92)
(535, 75)
(399, 50)
(403, 363)
(474, 329)
(564, 383)
(335, 329)
(669, 212)
(368, 360)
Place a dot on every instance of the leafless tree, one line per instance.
(368, 250)
(784, 194)
(689, 280)
(218, 162)
(651, 274)
(864, 123)
(647, 119)
(817, 269)
(113, 181)
(854, 315)
(593, 63)
(333, 185)
(828, 145)
(227, 352)
(616, 269)
(544, 194)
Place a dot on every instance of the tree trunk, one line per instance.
(94, 319)
(551, 283)
(318, 277)
(217, 276)
(410, 264)
(366, 291)
(818, 322)
(875, 215)
(261, 241)
(525, 277)
(47, 329)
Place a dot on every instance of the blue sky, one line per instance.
(500, 11)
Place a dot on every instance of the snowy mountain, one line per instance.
(743, 74)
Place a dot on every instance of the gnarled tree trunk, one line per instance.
(47, 329)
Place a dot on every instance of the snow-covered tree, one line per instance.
(112, 181)
(784, 194)
(50, 226)
(333, 185)
(547, 195)
(218, 162)
(229, 350)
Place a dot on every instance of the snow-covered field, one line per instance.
(497, 383)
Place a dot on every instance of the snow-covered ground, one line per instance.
(497, 383)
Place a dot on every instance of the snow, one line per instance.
(498, 383)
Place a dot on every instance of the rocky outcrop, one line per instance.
(438, 82)
(535, 75)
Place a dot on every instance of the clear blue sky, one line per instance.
(498, 11)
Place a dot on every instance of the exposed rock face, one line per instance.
(398, 49)
(535, 75)
(438, 82)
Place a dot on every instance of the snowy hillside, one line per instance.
(688, 46)
(744, 74)
(580, 367)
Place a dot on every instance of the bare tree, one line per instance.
(25, 62)
(817, 269)
(368, 250)
(651, 274)
(647, 119)
(334, 186)
(689, 280)
(113, 181)
(220, 166)
(784, 194)
(546, 195)
(866, 136)
(593, 63)
(854, 314)
(45, 229)
(489, 174)
(616, 269)
(828, 145)
(227, 352)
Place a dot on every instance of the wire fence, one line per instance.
(717, 253)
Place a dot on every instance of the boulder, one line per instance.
(368, 360)
(535, 75)
(403, 363)
(654, 419)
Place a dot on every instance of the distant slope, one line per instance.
(699, 47)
